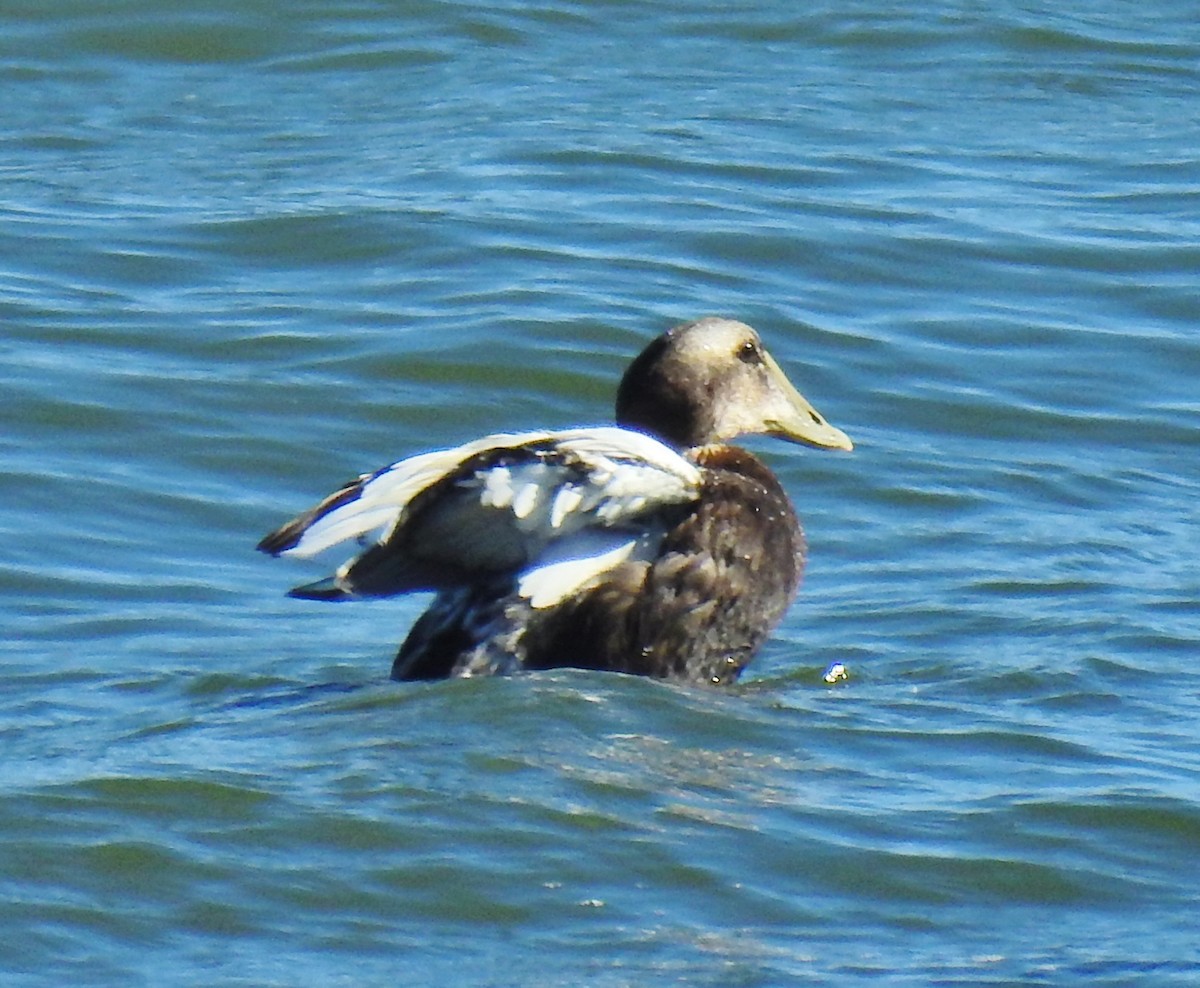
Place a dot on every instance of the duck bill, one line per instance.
(793, 418)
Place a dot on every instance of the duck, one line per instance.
(650, 547)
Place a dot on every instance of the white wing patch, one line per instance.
(627, 473)
(567, 565)
(386, 493)
(536, 490)
(367, 525)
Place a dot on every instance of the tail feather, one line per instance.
(326, 589)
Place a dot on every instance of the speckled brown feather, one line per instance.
(722, 580)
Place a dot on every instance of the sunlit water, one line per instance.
(248, 251)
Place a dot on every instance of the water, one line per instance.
(247, 252)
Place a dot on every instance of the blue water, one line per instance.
(249, 250)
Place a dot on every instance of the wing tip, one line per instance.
(279, 541)
(290, 536)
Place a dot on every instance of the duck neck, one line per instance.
(666, 425)
(649, 401)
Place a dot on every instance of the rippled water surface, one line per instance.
(248, 250)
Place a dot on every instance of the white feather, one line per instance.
(566, 500)
(386, 493)
(568, 565)
(367, 526)
(604, 477)
(526, 498)
(497, 490)
(614, 443)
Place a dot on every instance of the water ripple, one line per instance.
(248, 255)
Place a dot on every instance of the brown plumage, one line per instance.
(722, 579)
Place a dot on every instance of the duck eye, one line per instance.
(748, 353)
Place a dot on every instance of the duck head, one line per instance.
(711, 380)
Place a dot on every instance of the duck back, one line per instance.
(697, 608)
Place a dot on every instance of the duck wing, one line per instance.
(496, 506)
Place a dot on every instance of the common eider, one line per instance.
(652, 548)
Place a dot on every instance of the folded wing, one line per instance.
(507, 504)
